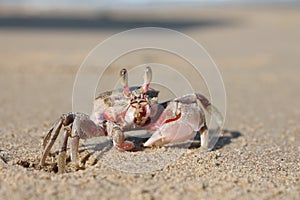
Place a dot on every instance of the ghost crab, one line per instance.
(131, 108)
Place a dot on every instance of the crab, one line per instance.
(132, 108)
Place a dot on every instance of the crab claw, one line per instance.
(120, 143)
(118, 137)
(170, 133)
(125, 146)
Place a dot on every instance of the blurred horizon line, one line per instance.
(48, 5)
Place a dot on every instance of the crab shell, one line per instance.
(117, 107)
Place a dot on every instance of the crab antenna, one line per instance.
(124, 81)
(147, 79)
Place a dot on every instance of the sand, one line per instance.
(257, 156)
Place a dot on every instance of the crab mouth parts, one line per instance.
(141, 113)
(141, 121)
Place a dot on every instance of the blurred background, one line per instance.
(254, 43)
(256, 46)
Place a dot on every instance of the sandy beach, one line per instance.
(257, 50)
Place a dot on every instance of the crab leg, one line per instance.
(204, 136)
(74, 140)
(62, 152)
(47, 148)
(47, 137)
(47, 145)
(82, 128)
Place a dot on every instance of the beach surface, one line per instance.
(257, 50)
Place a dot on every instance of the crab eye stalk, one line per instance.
(147, 79)
(124, 76)
(124, 81)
